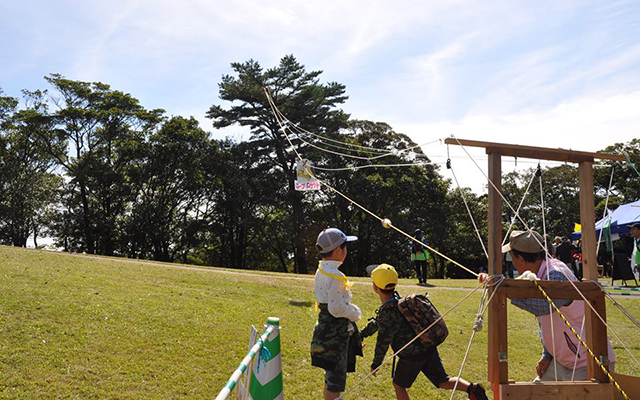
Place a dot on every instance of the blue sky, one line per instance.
(546, 73)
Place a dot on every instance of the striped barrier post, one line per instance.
(266, 375)
(266, 379)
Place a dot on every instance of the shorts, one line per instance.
(429, 364)
(336, 380)
(565, 374)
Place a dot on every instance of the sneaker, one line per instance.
(476, 392)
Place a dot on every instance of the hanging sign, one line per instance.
(304, 179)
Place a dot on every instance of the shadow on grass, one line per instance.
(297, 303)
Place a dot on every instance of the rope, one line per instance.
(575, 360)
(442, 255)
(464, 199)
(398, 229)
(384, 152)
(369, 374)
(544, 233)
(513, 219)
(604, 212)
(355, 168)
(546, 251)
(273, 107)
(602, 367)
(323, 138)
(477, 327)
(623, 310)
(629, 163)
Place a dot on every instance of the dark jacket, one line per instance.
(393, 329)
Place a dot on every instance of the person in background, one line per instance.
(563, 252)
(557, 241)
(635, 254)
(507, 265)
(420, 256)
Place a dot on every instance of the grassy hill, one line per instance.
(93, 327)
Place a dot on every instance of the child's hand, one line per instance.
(483, 277)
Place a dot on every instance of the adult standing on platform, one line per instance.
(420, 256)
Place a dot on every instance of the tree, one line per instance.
(561, 190)
(169, 188)
(410, 197)
(28, 186)
(94, 133)
(303, 99)
(625, 187)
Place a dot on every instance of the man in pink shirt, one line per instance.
(563, 357)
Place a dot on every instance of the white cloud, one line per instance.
(586, 124)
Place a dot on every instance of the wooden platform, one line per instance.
(557, 391)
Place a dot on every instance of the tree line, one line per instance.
(94, 169)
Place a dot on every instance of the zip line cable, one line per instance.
(387, 154)
(477, 325)
(464, 199)
(513, 219)
(358, 167)
(546, 256)
(546, 250)
(411, 238)
(273, 106)
(382, 152)
(604, 212)
(607, 295)
(378, 153)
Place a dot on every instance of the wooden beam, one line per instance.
(557, 391)
(630, 385)
(521, 289)
(495, 267)
(588, 221)
(538, 153)
(596, 338)
(596, 331)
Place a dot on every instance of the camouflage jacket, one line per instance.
(393, 329)
(330, 338)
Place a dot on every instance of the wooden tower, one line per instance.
(598, 386)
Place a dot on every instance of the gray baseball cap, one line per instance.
(525, 242)
(331, 238)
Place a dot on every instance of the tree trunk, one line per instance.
(298, 217)
(88, 236)
(35, 234)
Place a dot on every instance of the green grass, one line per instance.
(82, 327)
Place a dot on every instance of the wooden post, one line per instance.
(495, 267)
(588, 221)
(596, 332)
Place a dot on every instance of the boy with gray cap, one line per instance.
(334, 345)
(562, 355)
